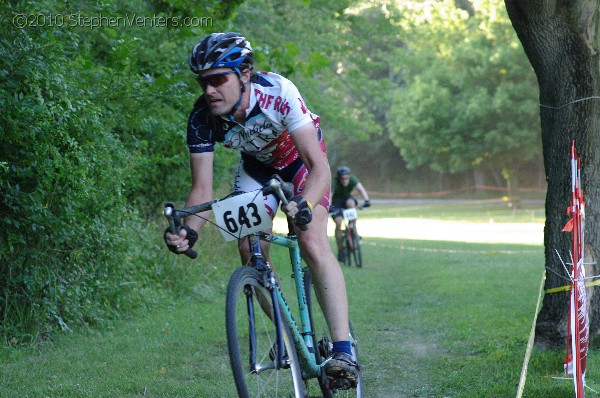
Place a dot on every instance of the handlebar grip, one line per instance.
(191, 253)
(175, 226)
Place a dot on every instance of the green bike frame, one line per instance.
(303, 339)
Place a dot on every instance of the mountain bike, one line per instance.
(350, 238)
(271, 355)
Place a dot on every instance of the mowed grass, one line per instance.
(434, 319)
(456, 315)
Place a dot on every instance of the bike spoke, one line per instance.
(251, 334)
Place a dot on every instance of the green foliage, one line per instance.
(62, 201)
(303, 41)
(92, 130)
(470, 97)
(92, 143)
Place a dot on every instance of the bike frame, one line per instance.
(303, 335)
(348, 226)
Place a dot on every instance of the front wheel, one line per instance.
(357, 252)
(347, 246)
(251, 340)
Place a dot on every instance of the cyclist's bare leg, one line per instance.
(245, 256)
(330, 287)
(350, 203)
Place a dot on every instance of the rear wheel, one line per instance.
(323, 345)
(251, 340)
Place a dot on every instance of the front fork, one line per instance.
(269, 283)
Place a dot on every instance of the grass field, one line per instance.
(434, 318)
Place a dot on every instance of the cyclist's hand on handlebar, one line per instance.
(299, 210)
(179, 244)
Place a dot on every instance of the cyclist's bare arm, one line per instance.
(363, 192)
(201, 165)
(319, 176)
(202, 177)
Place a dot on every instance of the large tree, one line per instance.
(560, 38)
(470, 98)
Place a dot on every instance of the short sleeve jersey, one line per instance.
(341, 192)
(275, 109)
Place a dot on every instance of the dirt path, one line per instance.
(454, 231)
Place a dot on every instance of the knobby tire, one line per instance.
(347, 247)
(245, 287)
(357, 252)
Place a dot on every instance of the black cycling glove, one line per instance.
(304, 215)
(192, 237)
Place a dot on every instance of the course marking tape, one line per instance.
(568, 287)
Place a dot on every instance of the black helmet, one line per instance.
(343, 171)
(222, 50)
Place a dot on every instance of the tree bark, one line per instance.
(560, 38)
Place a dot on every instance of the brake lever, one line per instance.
(284, 190)
(175, 226)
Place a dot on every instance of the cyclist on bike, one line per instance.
(343, 186)
(264, 116)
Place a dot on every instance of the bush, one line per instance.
(91, 145)
(63, 202)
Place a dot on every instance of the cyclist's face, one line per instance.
(345, 180)
(222, 88)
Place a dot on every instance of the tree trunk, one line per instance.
(560, 40)
(513, 184)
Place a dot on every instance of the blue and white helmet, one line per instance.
(222, 50)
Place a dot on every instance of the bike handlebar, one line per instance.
(283, 190)
(174, 219)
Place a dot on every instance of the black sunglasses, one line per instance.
(214, 80)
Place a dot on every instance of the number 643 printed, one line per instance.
(241, 215)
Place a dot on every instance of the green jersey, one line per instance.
(341, 192)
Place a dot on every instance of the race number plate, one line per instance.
(241, 215)
(350, 214)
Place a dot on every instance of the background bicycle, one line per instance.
(350, 239)
(270, 354)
